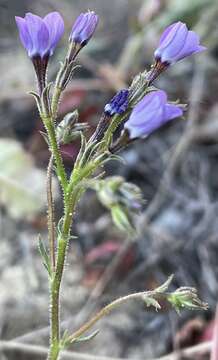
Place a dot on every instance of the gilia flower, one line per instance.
(84, 27)
(40, 37)
(149, 114)
(176, 43)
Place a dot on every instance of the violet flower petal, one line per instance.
(24, 33)
(84, 27)
(151, 113)
(39, 34)
(176, 43)
(55, 26)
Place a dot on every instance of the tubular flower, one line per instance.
(118, 103)
(176, 43)
(40, 36)
(149, 114)
(83, 28)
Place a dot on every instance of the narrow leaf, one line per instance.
(85, 338)
(164, 286)
(44, 255)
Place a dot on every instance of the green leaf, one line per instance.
(150, 301)
(164, 287)
(81, 151)
(85, 338)
(44, 255)
(37, 99)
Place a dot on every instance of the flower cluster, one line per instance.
(131, 114)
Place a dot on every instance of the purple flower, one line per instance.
(40, 36)
(150, 113)
(84, 27)
(176, 43)
(118, 103)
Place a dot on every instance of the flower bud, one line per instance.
(118, 103)
(69, 128)
(83, 28)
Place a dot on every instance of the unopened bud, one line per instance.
(69, 128)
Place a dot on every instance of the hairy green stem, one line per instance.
(55, 285)
(54, 148)
(51, 220)
(107, 309)
(55, 101)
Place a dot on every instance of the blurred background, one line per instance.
(176, 169)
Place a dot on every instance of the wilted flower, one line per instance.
(150, 113)
(176, 43)
(118, 103)
(186, 297)
(122, 198)
(84, 27)
(40, 37)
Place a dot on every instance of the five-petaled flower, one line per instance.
(118, 103)
(149, 114)
(83, 28)
(40, 36)
(176, 43)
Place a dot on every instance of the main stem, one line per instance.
(55, 285)
(63, 238)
